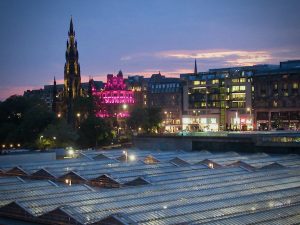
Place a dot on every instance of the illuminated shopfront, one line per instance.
(200, 123)
(241, 122)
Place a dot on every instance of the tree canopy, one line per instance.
(94, 131)
(147, 119)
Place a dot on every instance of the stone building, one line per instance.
(277, 97)
(167, 94)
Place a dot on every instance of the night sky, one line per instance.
(141, 37)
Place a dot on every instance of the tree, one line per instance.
(137, 119)
(154, 118)
(35, 121)
(93, 132)
(146, 118)
(22, 118)
(58, 134)
(83, 106)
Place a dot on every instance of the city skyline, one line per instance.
(141, 38)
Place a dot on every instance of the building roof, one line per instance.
(160, 193)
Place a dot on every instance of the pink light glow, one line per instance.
(113, 97)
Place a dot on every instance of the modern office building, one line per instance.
(220, 99)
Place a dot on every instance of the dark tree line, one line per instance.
(30, 123)
(147, 120)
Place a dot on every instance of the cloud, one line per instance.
(231, 57)
(176, 60)
(149, 72)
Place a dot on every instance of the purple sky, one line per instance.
(141, 37)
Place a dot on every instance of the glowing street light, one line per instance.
(58, 115)
(78, 114)
(68, 181)
(125, 106)
(132, 157)
(18, 145)
(3, 146)
(54, 138)
(71, 152)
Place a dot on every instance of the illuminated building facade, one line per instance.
(138, 84)
(277, 97)
(115, 99)
(220, 99)
(166, 93)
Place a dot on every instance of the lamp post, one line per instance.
(236, 120)
(126, 155)
(41, 142)
(250, 112)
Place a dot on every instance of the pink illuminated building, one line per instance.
(114, 100)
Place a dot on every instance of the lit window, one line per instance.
(235, 88)
(242, 88)
(203, 120)
(235, 80)
(242, 80)
(213, 120)
(203, 82)
(295, 85)
(216, 81)
(196, 82)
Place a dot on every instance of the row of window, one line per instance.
(171, 85)
(294, 85)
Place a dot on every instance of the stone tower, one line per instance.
(72, 79)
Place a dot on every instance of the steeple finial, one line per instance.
(71, 30)
(195, 68)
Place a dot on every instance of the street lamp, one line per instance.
(250, 111)
(126, 155)
(71, 152)
(54, 138)
(58, 115)
(236, 119)
(78, 115)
